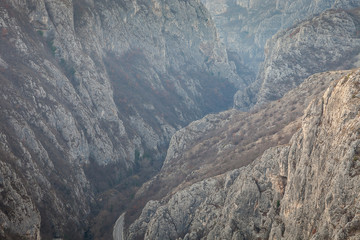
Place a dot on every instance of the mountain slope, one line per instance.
(245, 25)
(329, 41)
(91, 92)
(307, 189)
(226, 141)
(231, 139)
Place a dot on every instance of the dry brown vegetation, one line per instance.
(239, 142)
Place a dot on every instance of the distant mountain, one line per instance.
(247, 27)
(330, 41)
(244, 26)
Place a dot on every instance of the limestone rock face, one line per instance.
(85, 85)
(307, 189)
(225, 141)
(329, 41)
(245, 25)
(19, 216)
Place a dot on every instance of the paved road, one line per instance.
(118, 231)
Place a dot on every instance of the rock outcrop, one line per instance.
(245, 25)
(329, 41)
(19, 216)
(92, 91)
(89, 87)
(229, 140)
(306, 189)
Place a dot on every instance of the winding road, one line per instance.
(118, 231)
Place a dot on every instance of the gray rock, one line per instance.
(75, 76)
(19, 215)
(228, 140)
(307, 189)
(329, 41)
(245, 25)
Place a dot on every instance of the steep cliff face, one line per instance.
(307, 189)
(329, 41)
(89, 88)
(229, 140)
(218, 143)
(18, 211)
(245, 25)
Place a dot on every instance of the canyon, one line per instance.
(189, 119)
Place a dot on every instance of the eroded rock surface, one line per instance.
(307, 189)
(329, 41)
(245, 25)
(232, 139)
(89, 87)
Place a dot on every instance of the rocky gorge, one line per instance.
(274, 40)
(305, 189)
(91, 94)
(190, 205)
(245, 25)
(104, 111)
(329, 41)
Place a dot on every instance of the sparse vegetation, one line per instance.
(244, 138)
(51, 46)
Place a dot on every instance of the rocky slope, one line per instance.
(329, 41)
(88, 89)
(245, 25)
(232, 139)
(229, 140)
(306, 189)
